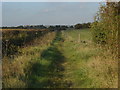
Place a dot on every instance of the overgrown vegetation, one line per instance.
(61, 60)
(105, 35)
(105, 27)
(87, 65)
(15, 70)
(12, 40)
(64, 58)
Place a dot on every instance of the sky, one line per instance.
(48, 13)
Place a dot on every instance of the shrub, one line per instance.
(105, 27)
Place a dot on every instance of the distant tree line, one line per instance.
(51, 27)
(26, 27)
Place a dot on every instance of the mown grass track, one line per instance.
(67, 59)
(50, 74)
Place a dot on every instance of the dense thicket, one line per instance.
(105, 27)
(14, 39)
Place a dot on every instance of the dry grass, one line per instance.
(87, 65)
(23, 29)
(104, 69)
(14, 70)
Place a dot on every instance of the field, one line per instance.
(62, 59)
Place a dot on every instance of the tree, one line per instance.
(78, 26)
(105, 26)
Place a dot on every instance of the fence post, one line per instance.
(79, 38)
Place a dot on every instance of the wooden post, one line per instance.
(79, 38)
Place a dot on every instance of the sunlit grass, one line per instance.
(88, 66)
(16, 70)
(68, 59)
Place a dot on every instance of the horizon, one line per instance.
(48, 25)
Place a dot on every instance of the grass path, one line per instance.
(62, 64)
(48, 71)
(66, 59)
(87, 66)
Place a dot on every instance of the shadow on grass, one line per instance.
(49, 75)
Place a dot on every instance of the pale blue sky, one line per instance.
(47, 13)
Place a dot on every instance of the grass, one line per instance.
(20, 65)
(46, 72)
(87, 65)
(67, 59)
(78, 53)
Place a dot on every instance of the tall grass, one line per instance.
(15, 70)
(105, 35)
(87, 65)
(67, 59)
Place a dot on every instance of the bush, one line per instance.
(12, 40)
(105, 27)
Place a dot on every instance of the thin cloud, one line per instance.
(48, 13)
